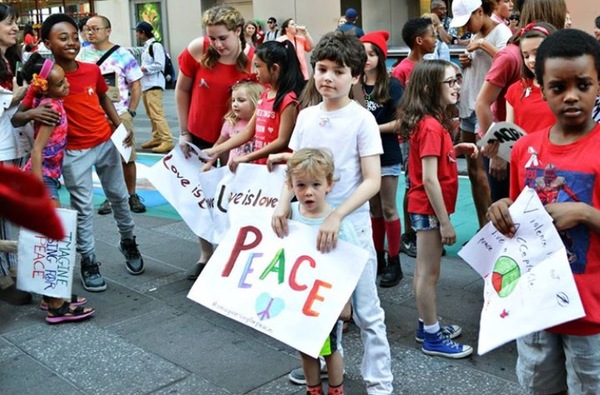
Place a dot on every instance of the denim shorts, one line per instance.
(390, 171)
(470, 123)
(549, 363)
(424, 222)
(52, 185)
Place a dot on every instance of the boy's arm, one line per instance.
(569, 214)
(434, 194)
(42, 113)
(370, 185)
(282, 211)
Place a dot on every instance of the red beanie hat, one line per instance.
(378, 38)
(25, 201)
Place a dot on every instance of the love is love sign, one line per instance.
(284, 288)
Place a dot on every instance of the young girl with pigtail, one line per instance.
(47, 80)
(277, 68)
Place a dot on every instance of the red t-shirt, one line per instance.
(403, 70)
(505, 71)
(210, 92)
(530, 109)
(87, 123)
(431, 139)
(567, 173)
(267, 120)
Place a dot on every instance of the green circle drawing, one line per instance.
(505, 276)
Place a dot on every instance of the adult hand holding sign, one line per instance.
(506, 134)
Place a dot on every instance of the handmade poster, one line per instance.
(284, 288)
(214, 184)
(46, 265)
(251, 192)
(528, 283)
(177, 178)
(506, 133)
(117, 138)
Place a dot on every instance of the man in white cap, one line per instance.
(350, 25)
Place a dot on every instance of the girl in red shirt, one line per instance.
(277, 68)
(525, 105)
(426, 121)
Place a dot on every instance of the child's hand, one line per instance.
(184, 139)
(500, 217)
(44, 114)
(272, 160)
(233, 164)
(9, 246)
(328, 233)
(565, 215)
(469, 149)
(498, 168)
(346, 313)
(280, 218)
(490, 149)
(448, 233)
(208, 165)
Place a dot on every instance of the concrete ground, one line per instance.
(148, 338)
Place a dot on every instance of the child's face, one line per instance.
(428, 40)
(8, 32)
(333, 81)
(311, 192)
(570, 88)
(529, 47)
(450, 87)
(372, 58)
(63, 41)
(241, 105)
(263, 74)
(226, 42)
(58, 86)
(504, 8)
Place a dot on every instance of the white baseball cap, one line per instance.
(461, 11)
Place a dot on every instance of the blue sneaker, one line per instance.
(438, 345)
(450, 331)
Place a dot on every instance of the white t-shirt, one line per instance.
(350, 133)
(481, 61)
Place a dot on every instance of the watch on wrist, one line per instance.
(133, 113)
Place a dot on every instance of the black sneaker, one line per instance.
(135, 204)
(91, 279)
(408, 244)
(105, 208)
(133, 259)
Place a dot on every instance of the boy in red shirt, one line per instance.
(561, 163)
(88, 146)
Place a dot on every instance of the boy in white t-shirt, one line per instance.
(351, 133)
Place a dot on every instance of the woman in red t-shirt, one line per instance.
(208, 67)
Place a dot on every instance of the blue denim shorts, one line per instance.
(390, 171)
(52, 185)
(470, 123)
(424, 222)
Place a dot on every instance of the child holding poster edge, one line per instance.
(47, 80)
(310, 176)
(425, 120)
(343, 126)
(242, 104)
(561, 164)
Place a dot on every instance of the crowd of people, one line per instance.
(345, 128)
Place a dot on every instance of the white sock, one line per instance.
(432, 328)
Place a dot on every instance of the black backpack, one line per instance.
(169, 70)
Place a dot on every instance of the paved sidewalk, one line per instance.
(148, 338)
